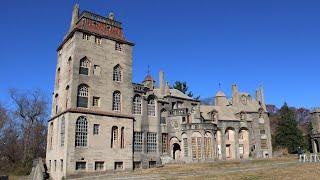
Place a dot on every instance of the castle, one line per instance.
(102, 121)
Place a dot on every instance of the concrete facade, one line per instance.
(102, 121)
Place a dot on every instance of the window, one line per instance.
(96, 128)
(118, 165)
(207, 147)
(264, 144)
(118, 46)
(86, 36)
(69, 68)
(49, 166)
(122, 138)
(136, 164)
(81, 132)
(164, 143)
(185, 147)
(62, 131)
(137, 142)
(80, 166)
(196, 147)
(262, 131)
(116, 103)
(61, 165)
(55, 165)
(117, 73)
(151, 108)
(152, 164)
(83, 92)
(51, 135)
(137, 105)
(67, 96)
(151, 142)
(84, 66)
(58, 78)
(56, 99)
(96, 70)
(97, 40)
(99, 166)
(96, 101)
(114, 136)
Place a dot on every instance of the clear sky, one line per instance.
(271, 42)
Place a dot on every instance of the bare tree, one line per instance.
(31, 111)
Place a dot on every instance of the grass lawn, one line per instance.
(276, 168)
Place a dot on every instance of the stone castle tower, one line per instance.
(93, 75)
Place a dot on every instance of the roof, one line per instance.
(220, 94)
(148, 78)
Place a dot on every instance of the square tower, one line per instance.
(91, 125)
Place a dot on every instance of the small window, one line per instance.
(164, 142)
(96, 70)
(96, 128)
(114, 138)
(137, 103)
(55, 165)
(116, 104)
(81, 166)
(61, 165)
(118, 46)
(137, 165)
(117, 73)
(97, 40)
(151, 107)
(262, 131)
(152, 164)
(82, 97)
(86, 36)
(151, 142)
(96, 101)
(99, 166)
(84, 66)
(137, 142)
(118, 165)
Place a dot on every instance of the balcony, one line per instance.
(178, 112)
(197, 126)
(139, 88)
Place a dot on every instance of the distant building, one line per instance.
(102, 121)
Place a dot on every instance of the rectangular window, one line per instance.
(196, 147)
(80, 166)
(136, 164)
(262, 131)
(264, 144)
(86, 36)
(118, 46)
(96, 128)
(137, 141)
(99, 166)
(49, 169)
(118, 165)
(185, 147)
(152, 164)
(151, 142)
(96, 101)
(96, 70)
(55, 165)
(97, 40)
(164, 142)
(82, 102)
(61, 165)
(163, 120)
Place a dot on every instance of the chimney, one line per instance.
(235, 94)
(75, 16)
(167, 89)
(161, 83)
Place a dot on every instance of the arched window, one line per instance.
(136, 109)
(84, 66)
(81, 132)
(50, 135)
(62, 131)
(67, 97)
(83, 93)
(117, 73)
(122, 138)
(116, 103)
(151, 107)
(114, 136)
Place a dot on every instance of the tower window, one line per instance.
(62, 131)
(97, 40)
(114, 136)
(137, 105)
(116, 105)
(96, 101)
(122, 138)
(117, 73)
(84, 66)
(96, 70)
(151, 108)
(118, 46)
(83, 92)
(96, 128)
(81, 132)
(86, 36)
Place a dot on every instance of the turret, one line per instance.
(75, 16)
(221, 99)
(235, 95)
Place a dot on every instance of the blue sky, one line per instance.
(271, 42)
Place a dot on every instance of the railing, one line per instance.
(178, 112)
(139, 88)
(99, 18)
(195, 126)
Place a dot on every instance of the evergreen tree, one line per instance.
(288, 135)
(183, 87)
